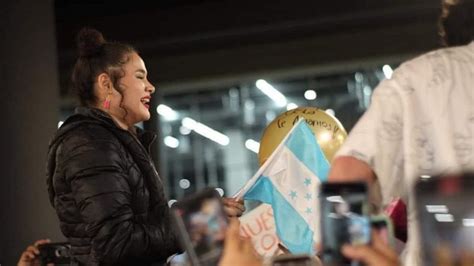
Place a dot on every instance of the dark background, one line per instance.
(186, 44)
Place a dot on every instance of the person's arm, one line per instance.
(348, 168)
(100, 186)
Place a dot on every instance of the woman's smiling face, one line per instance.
(132, 104)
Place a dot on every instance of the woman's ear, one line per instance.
(103, 82)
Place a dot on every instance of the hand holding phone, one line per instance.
(344, 219)
(57, 253)
(202, 225)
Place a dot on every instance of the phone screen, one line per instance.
(382, 227)
(344, 219)
(446, 219)
(203, 227)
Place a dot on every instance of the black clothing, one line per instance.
(107, 193)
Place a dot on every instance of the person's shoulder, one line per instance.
(86, 132)
(440, 55)
(417, 70)
(419, 60)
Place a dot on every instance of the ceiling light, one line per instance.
(387, 71)
(184, 183)
(330, 112)
(167, 112)
(291, 106)
(271, 92)
(437, 208)
(468, 222)
(252, 145)
(171, 142)
(184, 130)
(205, 131)
(444, 217)
(220, 191)
(310, 95)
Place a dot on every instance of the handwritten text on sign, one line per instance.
(259, 225)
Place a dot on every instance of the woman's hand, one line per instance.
(29, 257)
(233, 207)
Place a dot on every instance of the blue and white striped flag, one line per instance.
(289, 180)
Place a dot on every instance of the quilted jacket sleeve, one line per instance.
(94, 168)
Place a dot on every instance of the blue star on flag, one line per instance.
(307, 181)
(293, 194)
(308, 196)
(308, 210)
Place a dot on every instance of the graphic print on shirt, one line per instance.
(423, 149)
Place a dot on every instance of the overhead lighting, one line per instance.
(271, 92)
(184, 183)
(444, 217)
(367, 90)
(437, 208)
(184, 130)
(336, 199)
(330, 112)
(291, 106)
(60, 123)
(468, 222)
(171, 142)
(171, 202)
(310, 95)
(387, 71)
(425, 176)
(167, 112)
(252, 145)
(205, 131)
(220, 191)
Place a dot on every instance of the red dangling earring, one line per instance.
(107, 103)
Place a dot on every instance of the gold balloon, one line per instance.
(329, 132)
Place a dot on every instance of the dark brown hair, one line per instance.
(97, 56)
(456, 23)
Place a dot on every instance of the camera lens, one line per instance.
(61, 252)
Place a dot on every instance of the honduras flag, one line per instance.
(289, 181)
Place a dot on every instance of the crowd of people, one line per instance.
(110, 200)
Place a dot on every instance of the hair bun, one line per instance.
(89, 42)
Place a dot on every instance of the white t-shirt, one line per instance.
(419, 122)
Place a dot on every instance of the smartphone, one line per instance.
(295, 260)
(202, 224)
(344, 219)
(382, 226)
(446, 218)
(56, 253)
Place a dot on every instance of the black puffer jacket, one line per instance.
(107, 193)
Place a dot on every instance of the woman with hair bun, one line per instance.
(101, 180)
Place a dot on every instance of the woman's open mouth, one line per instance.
(146, 102)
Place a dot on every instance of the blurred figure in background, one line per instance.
(419, 123)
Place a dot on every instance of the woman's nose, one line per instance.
(150, 88)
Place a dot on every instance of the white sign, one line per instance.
(259, 225)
